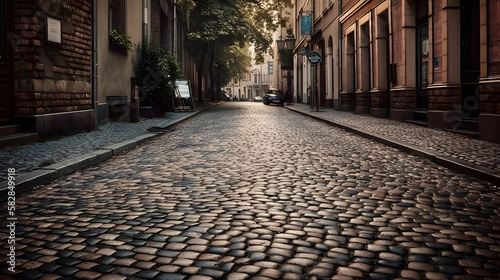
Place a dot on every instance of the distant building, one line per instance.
(256, 81)
(261, 79)
(233, 90)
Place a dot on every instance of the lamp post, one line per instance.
(285, 46)
(259, 78)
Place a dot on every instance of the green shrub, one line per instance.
(156, 71)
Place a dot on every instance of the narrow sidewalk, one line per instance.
(39, 163)
(464, 154)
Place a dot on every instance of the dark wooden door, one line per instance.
(470, 53)
(422, 33)
(422, 65)
(6, 89)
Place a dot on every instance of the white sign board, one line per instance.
(183, 97)
(183, 88)
(53, 30)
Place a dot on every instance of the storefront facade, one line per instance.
(436, 63)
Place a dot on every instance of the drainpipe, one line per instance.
(339, 54)
(94, 64)
(144, 20)
(175, 28)
(390, 49)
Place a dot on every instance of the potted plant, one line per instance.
(119, 42)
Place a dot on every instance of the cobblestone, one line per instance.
(30, 157)
(476, 152)
(267, 194)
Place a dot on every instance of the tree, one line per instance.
(232, 63)
(266, 16)
(156, 72)
(217, 26)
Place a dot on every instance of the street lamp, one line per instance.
(281, 44)
(259, 78)
(290, 42)
(286, 46)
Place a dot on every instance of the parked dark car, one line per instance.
(274, 96)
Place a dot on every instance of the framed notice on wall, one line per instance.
(54, 30)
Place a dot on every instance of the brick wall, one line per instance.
(490, 91)
(490, 98)
(493, 38)
(362, 99)
(444, 98)
(403, 99)
(52, 78)
(156, 21)
(379, 99)
(437, 26)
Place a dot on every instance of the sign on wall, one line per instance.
(306, 25)
(53, 30)
(314, 57)
(270, 67)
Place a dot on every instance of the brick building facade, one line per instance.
(434, 62)
(60, 74)
(49, 59)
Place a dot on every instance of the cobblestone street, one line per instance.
(248, 191)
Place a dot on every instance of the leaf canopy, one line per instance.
(228, 27)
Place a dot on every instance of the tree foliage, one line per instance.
(232, 63)
(220, 32)
(156, 72)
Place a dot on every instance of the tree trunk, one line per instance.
(219, 91)
(211, 72)
(201, 64)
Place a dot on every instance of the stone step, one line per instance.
(420, 115)
(465, 132)
(417, 122)
(469, 124)
(18, 139)
(9, 129)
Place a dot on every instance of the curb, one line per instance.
(479, 172)
(26, 182)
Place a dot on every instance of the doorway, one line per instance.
(348, 101)
(422, 54)
(470, 57)
(322, 76)
(5, 63)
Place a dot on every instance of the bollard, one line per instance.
(134, 100)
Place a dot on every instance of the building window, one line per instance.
(117, 15)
